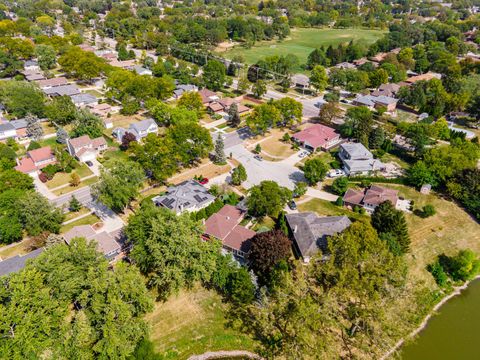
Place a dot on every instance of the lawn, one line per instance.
(191, 323)
(326, 208)
(302, 42)
(111, 155)
(265, 224)
(62, 178)
(87, 220)
(206, 169)
(69, 188)
(72, 215)
(13, 250)
(274, 149)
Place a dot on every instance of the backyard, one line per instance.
(302, 42)
(193, 322)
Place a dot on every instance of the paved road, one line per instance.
(83, 195)
(310, 105)
(236, 137)
(282, 172)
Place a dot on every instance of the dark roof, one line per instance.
(310, 231)
(17, 263)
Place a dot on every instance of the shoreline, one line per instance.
(457, 291)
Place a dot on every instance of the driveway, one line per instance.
(42, 188)
(282, 172)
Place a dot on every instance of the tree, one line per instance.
(259, 88)
(214, 75)
(127, 139)
(22, 98)
(419, 174)
(314, 170)
(192, 142)
(340, 185)
(84, 65)
(378, 77)
(74, 205)
(267, 199)
(62, 135)
(38, 214)
(376, 138)
(359, 121)
(290, 111)
(61, 110)
(11, 230)
(319, 78)
(74, 179)
(169, 250)
(191, 100)
(329, 112)
(267, 250)
(119, 184)
(300, 189)
(239, 175)
(105, 306)
(243, 85)
(388, 220)
(233, 115)
(263, 117)
(34, 128)
(46, 56)
(87, 124)
(428, 210)
(220, 151)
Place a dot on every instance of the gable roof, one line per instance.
(17, 263)
(143, 125)
(62, 90)
(310, 231)
(207, 95)
(375, 195)
(41, 154)
(106, 243)
(83, 98)
(56, 81)
(221, 223)
(316, 135)
(6, 127)
(357, 151)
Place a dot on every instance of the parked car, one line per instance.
(258, 157)
(303, 154)
(292, 205)
(89, 163)
(203, 181)
(336, 173)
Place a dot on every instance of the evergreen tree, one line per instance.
(233, 115)
(388, 220)
(74, 205)
(34, 128)
(239, 175)
(62, 135)
(219, 150)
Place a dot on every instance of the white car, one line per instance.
(303, 154)
(336, 173)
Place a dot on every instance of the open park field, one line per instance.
(302, 42)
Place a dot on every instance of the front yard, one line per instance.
(87, 220)
(69, 188)
(62, 178)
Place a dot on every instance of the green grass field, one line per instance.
(302, 42)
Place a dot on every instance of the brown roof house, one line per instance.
(317, 136)
(36, 160)
(107, 244)
(49, 83)
(370, 198)
(86, 149)
(224, 225)
(310, 232)
(208, 96)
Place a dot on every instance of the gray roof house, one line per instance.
(310, 232)
(61, 90)
(17, 263)
(84, 99)
(140, 70)
(140, 129)
(107, 243)
(7, 131)
(357, 159)
(181, 89)
(187, 196)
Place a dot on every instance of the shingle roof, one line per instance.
(19, 124)
(6, 127)
(143, 125)
(106, 242)
(56, 81)
(186, 195)
(316, 135)
(62, 90)
(41, 154)
(356, 151)
(83, 98)
(221, 224)
(310, 231)
(17, 263)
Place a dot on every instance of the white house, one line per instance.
(86, 149)
(7, 131)
(140, 129)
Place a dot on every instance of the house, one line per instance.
(18, 262)
(223, 105)
(225, 226)
(140, 129)
(187, 196)
(36, 160)
(360, 62)
(34, 76)
(101, 110)
(125, 64)
(62, 90)
(300, 81)
(389, 90)
(375, 102)
(84, 99)
(370, 198)
(181, 89)
(86, 149)
(49, 83)
(107, 244)
(358, 160)
(31, 65)
(345, 65)
(7, 131)
(20, 126)
(140, 70)
(379, 57)
(310, 232)
(423, 77)
(207, 96)
(317, 136)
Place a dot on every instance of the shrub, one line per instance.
(340, 185)
(438, 273)
(339, 201)
(428, 210)
(43, 177)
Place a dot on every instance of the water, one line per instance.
(453, 332)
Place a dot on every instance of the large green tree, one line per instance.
(214, 75)
(267, 199)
